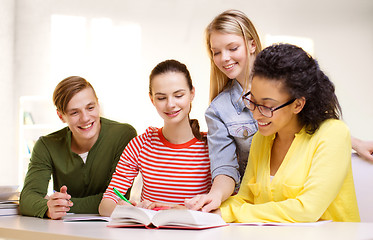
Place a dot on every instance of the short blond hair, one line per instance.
(66, 90)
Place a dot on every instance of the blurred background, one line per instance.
(114, 44)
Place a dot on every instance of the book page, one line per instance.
(124, 214)
(187, 218)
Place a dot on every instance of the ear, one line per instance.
(99, 107)
(299, 104)
(251, 45)
(192, 94)
(60, 115)
(151, 98)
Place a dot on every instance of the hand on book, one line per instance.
(163, 206)
(153, 205)
(122, 202)
(203, 202)
(142, 204)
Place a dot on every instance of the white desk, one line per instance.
(19, 227)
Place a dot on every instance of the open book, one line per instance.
(130, 216)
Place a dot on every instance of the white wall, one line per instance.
(8, 159)
(342, 31)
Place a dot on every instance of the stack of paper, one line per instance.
(8, 200)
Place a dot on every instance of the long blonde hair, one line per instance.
(230, 22)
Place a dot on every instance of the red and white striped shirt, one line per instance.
(170, 172)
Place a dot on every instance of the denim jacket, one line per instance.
(231, 127)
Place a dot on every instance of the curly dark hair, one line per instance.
(301, 77)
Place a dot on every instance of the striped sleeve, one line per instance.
(127, 167)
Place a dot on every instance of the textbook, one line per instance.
(8, 200)
(8, 208)
(8, 211)
(130, 216)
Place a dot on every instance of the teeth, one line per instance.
(170, 113)
(263, 124)
(229, 66)
(88, 126)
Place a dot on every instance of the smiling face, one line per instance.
(271, 93)
(83, 117)
(172, 97)
(230, 54)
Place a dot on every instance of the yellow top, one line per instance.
(314, 181)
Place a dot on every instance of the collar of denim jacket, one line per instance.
(236, 92)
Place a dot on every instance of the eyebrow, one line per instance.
(270, 99)
(266, 99)
(177, 91)
(74, 109)
(229, 44)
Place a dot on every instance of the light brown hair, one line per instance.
(66, 90)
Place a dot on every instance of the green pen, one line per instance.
(120, 195)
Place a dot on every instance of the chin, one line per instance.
(265, 132)
(232, 76)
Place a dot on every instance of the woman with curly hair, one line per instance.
(299, 168)
(233, 44)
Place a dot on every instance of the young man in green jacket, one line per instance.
(81, 157)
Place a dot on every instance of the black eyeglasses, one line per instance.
(265, 111)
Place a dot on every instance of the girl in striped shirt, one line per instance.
(173, 160)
